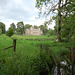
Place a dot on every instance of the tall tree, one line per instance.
(68, 16)
(2, 26)
(20, 28)
(59, 21)
(51, 6)
(13, 26)
(68, 27)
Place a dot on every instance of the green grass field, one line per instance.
(28, 60)
(27, 49)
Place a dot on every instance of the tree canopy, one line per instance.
(10, 32)
(13, 26)
(65, 9)
(20, 28)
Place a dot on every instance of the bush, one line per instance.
(50, 32)
(0, 31)
(10, 32)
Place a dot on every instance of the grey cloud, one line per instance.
(3, 2)
(12, 11)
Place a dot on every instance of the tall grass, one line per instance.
(28, 60)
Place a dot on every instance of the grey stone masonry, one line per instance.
(33, 31)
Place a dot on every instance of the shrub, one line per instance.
(10, 32)
(50, 32)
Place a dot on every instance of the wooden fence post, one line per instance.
(14, 45)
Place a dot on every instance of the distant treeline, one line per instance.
(20, 28)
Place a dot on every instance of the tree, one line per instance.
(44, 29)
(27, 26)
(67, 19)
(2, 26)
(13, 26)
(10, 32)
(51, 5)
(64, 11)
(0, 31)
(67, 22)
(68, 27)
(35, 26)
(60, 6)
(20, 28)
(50, 32)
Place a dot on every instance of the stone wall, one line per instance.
(33, 31)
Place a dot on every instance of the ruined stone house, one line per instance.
(33, 31)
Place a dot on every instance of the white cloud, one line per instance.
(20, 10)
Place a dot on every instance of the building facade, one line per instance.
(33, 31)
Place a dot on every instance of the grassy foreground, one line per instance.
(28, 60)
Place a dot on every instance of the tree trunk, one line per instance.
(59, 21)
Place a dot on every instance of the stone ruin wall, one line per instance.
(33, 31)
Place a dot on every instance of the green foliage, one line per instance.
(67, 9)
(44, 29)
(59, 52)
(24, 60)
(0, 31)
(2, 26)
(35, 26)
(50, 32)
(10, 32)
(20, 28)
(13, 26)
(27, 26)
(40, 3)
(68, 20)
(42, 63)
(28, 60)
(35, 38)
(73, 37)
(55, 28)
(68, 27)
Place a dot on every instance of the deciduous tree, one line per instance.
(13, 26)
(50, 8)
(10, 32)
(20, 28)
(44, 29)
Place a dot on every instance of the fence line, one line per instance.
(13, 46)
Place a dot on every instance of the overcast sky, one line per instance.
(13, 11)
